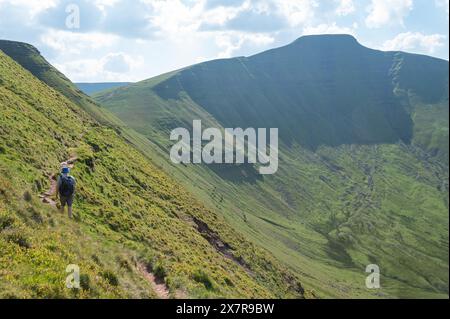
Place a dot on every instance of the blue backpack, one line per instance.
(67, 186)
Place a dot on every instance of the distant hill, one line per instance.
(319, 90)
(91, 88)
(363, 172)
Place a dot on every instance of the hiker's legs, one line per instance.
(69, 206)
(62, 202)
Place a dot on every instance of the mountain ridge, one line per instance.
(385, 62)
(363, 157)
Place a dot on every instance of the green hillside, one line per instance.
(363, 172)
(134, 226)
(30, 59)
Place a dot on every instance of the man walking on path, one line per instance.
(65, 189)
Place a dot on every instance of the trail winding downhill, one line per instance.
(158, 285)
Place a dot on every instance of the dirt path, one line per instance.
(159, 287)
(47, 197)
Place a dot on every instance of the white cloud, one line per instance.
(332, 28)
(82, 70)
(221, 14)
(104, 4)
(76, 43)
(345, 7)
(174, 17)
(415, 41)
(31, 7)
(297, 12)
(209, 4)
(387, 12)
(116, 66)
(443, 4)
(231, 42)
(117, 63)
(259, 16)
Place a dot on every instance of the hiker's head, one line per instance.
(65, 170)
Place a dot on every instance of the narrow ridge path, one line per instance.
(159, 287)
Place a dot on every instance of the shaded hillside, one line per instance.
(363, 172)
(317, 91)
(127, 212)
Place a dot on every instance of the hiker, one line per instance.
(65, 189)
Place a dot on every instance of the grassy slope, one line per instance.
(332, 208)
(30, 59)
(126, 211)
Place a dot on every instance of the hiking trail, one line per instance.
(158, 284)
(47, 197)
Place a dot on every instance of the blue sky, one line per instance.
(118, 40)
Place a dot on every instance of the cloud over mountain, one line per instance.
(199, 30)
